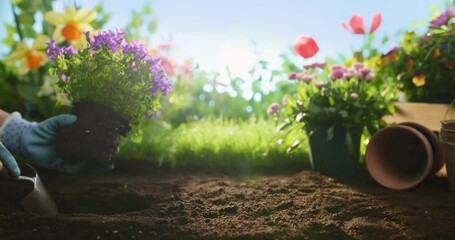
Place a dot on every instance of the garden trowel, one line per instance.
(28, 191)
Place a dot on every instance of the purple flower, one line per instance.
(273, 108)
(53, 50)
(137, 48)
(443, 19)
(113, 41)
(149, 115)
(160, 82)
(64, 78)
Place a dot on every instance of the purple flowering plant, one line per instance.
(111, 71)
(337, 96)
(423, 66)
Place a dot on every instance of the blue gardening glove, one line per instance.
(9, 162)
(36, 141)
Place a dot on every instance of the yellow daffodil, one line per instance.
(419, 80)
(71, 25)
(28, 58)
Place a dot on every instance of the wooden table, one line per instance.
(426, 114)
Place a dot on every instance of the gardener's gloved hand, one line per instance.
(36, 141)
(7, 161)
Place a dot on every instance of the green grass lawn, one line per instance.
(215, 143)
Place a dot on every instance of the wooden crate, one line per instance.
(426, 114)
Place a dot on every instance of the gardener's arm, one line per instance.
(3, 116)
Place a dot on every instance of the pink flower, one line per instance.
(336, 67)
(307, 78)
(306, 47)
(348, 75)
(320, 84)
(336, 74)
(354, 96)
(273, 108)
(357, 24)
(284, 100)
(370, 76)
(358, 65)
(315, 65)
(292, 76)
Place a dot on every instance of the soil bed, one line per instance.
(141, 201)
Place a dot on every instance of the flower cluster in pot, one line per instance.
(330, 96)
(110, 71)
(423, 66)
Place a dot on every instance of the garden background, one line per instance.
(229, 61)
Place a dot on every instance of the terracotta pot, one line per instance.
(436, 145)
(399, 157)
(449, 157)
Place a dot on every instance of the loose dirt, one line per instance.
(141, 201)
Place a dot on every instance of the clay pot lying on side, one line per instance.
(401, 156)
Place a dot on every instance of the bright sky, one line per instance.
(217, 33)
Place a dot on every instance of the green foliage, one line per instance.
(142, 22)
(218, 143)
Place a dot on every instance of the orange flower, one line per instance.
(450, 65)
(29, 58)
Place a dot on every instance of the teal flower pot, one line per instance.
(337, 156)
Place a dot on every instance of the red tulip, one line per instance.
(306, 47)
(357, 24)
(375, 22)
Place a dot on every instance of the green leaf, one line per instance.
(29, 92)
(294, 145)
(17, 2)
(330, 133)
(136, 20)
(147, 9)
(99, 8)
(153, 25)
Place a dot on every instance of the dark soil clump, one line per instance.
(140, 201)
(94, 137)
